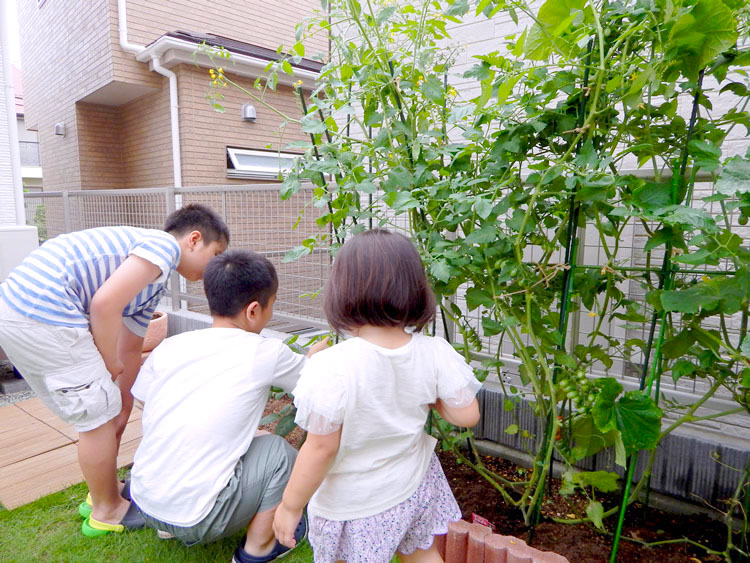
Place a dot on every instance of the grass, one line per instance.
(49, 529)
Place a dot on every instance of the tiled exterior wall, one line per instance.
(269, 23)
(147, 140)
(64, 47)
(71, 49)
(206, 133)
(130, 146)
(100, 146)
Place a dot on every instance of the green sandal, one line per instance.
(132, 520)
(85, 510)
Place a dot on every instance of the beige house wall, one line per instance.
(147, 140)
(206, 133)
(100, 146)
(70, 49)
(69, 35)
(267, 23)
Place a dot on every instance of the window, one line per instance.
(257, 165)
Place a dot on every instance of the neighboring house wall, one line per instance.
(7, 189)
(116, 111)
(64, 46)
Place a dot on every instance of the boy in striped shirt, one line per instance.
(72, 319)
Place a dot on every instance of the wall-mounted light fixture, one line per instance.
(248, 112)
(60, 129)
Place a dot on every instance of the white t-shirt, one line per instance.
(204, 393)
(381, 398)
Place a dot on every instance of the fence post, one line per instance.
(67, 224)
(174, 280)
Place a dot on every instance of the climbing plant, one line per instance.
(595, 115)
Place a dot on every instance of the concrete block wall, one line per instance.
(473, 543)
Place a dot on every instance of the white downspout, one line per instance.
(174, 113)
(174, 118)
(122, 26)
(10, 109)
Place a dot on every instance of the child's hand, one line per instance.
(284, 523)
(317, 347)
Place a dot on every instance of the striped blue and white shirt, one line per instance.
(55, 283)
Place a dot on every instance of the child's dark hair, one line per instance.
(378, 279)
(236, 278)
(197, 217)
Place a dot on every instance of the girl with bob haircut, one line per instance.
(368, 470)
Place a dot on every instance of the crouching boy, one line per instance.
(73, 316)
(200, 473)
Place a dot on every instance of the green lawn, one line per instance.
(49, 530)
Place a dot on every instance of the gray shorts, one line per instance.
(64, 368)
(257, 484)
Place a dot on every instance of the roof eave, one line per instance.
(173, 52)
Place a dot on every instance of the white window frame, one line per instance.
(269, 164)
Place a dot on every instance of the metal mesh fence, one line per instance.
(258, 220)
(261, 221)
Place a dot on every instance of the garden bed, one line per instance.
(580, 542)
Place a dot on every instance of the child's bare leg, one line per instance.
(129, 351)
(97, 456)
(260, 539)
(431, 555)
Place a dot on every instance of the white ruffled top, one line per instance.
(381, 398)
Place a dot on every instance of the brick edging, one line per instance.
(473, 543)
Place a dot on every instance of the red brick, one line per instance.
(440, 542)
(456, 543)
(475, 547)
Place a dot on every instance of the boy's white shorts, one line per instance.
(63, 367)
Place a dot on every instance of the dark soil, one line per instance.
(579, 542)
(274, 406)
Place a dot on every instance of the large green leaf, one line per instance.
(735, 177)
(553, 20)
(678, 345)
(639, 421)
(652, 195)
(603, 410)
(587, 438)
(725, 295)
(700, 35)
(705, 155)
(636, 416)
(441, 270)
(432, 88)
(476, 296)
(688, 218)
(595, 511)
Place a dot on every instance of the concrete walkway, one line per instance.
(38, 452)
